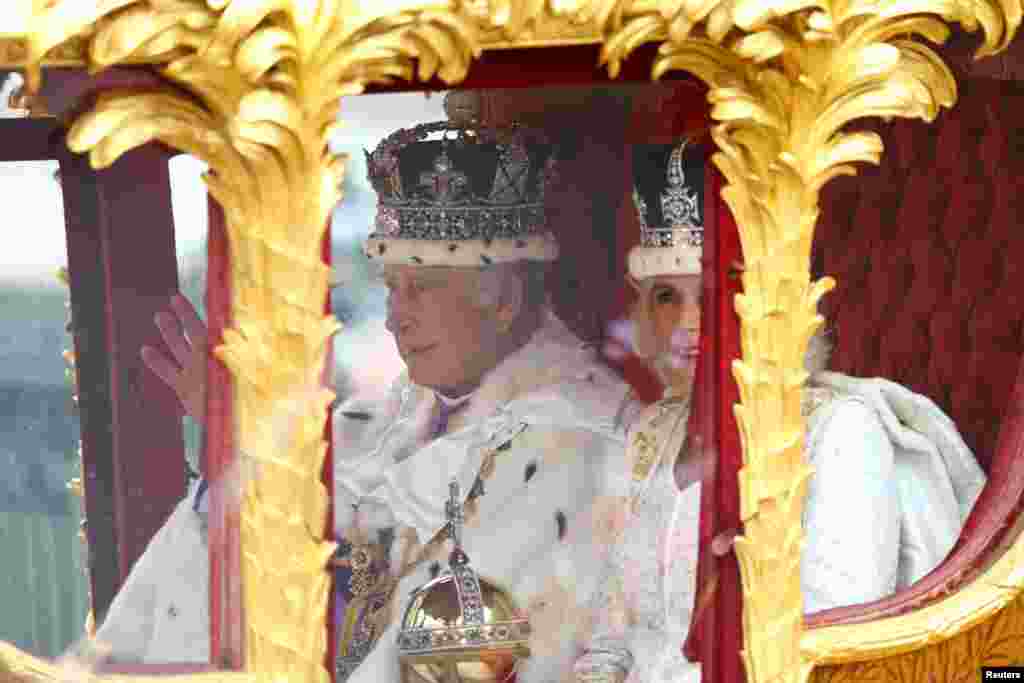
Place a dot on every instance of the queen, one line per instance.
(877, 448)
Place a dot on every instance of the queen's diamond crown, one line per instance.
(666, 199)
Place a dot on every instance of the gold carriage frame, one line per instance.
(265, 78)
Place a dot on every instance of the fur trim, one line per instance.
(553, 361)
(647, 262)
(553, 356)
(461, 253)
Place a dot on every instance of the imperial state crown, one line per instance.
(453, 193)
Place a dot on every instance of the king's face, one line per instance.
(443, 333)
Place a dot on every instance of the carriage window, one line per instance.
(363, 358)
(160, 613)
(924, 353)
(631, 199)
(136, 239)
(44, 588)
(489, 264)
(189, 205)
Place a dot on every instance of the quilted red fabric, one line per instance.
(929, 255)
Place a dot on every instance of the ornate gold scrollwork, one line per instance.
(996, 641)
(785, 79)
(266, 79)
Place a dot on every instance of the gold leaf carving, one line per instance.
(998, 641)
(266, 78)
(785, 77)
(785, 80)
(19, 667)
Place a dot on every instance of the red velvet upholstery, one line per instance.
(929, 257)
(591, 211)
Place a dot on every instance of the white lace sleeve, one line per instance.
(647, 597)
(673, 518)
(606, 655)
(852, 516)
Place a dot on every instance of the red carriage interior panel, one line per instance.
(592, 213)
(928, 253)
(588, 125)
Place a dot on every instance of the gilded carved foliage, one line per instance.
(785, 77)
(262, 135)
(265, 79)
(19, 667)
(998, 641)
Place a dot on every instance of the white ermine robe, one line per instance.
(893, 485)
(548, 414)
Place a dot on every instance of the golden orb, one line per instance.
(460, 627)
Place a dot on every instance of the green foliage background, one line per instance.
(43, 587)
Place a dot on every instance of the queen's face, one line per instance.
(444, 335)
(673, 304)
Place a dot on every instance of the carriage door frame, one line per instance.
(122, 269)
